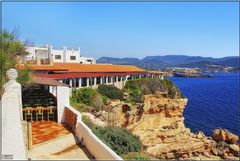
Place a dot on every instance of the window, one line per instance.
(72, 57)
(57, 56)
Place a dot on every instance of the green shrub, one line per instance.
(97, 101)
(118, 139)
(136, 96)
(152, 85)
(105, 99)
(136, 156)
(87, 122)
(87, 96)
(110, 91)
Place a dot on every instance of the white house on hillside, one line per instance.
(57, 55)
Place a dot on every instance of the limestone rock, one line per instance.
(210, 144)
(200, 135)
(159, 124)
(214, 151)
(184, 156)
(206, 154)
(224, 135)
(94, 120)
(234, 149)
(169, 156)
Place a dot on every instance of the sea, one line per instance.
(212, 102)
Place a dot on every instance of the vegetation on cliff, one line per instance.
(87, 99)
(153, 85)
(135, 96)
(137, 156)
(110, 91)
(118, 139)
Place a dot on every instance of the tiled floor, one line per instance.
(46, 130)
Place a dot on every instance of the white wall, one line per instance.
(31, 54)
(84, 60)
(93, 144)
(12, 132)
(75, 53)
(62, 101)
(65, 55)
(57, 52)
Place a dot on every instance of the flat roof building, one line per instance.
(47, 54)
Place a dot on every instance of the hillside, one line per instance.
(111, 60)
(157, 62)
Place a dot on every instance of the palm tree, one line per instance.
(12, 51)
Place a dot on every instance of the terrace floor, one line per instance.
(47, 130)
(53, 141)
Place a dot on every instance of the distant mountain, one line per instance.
(200, 64)
(157, 62)
(233, 62)
(111, 60)
(168, 59)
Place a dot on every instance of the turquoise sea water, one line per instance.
(212, 102)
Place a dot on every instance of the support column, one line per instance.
(74, 82)
(121, 81)
(95, 81)
(101, 80)
(80, 82)
(87, 82)
(71, 82)
(111, 80)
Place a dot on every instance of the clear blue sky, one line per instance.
(129, 29)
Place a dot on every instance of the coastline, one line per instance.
(211, 102)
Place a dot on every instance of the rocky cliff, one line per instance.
(159, 123)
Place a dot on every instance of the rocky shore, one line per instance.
(159, 123)
(196, 75)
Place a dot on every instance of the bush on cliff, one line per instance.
(110, 91)
(88, 96)
(136, 156)
(118, 139)
(80, 106)
(135, 96)
(152, 85)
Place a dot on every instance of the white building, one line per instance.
(57, 55)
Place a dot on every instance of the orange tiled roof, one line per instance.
(41, 67)
(76, 67)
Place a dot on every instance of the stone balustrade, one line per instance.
(13, 146)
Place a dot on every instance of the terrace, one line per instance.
(64, 136)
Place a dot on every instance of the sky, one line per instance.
(128, 29)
